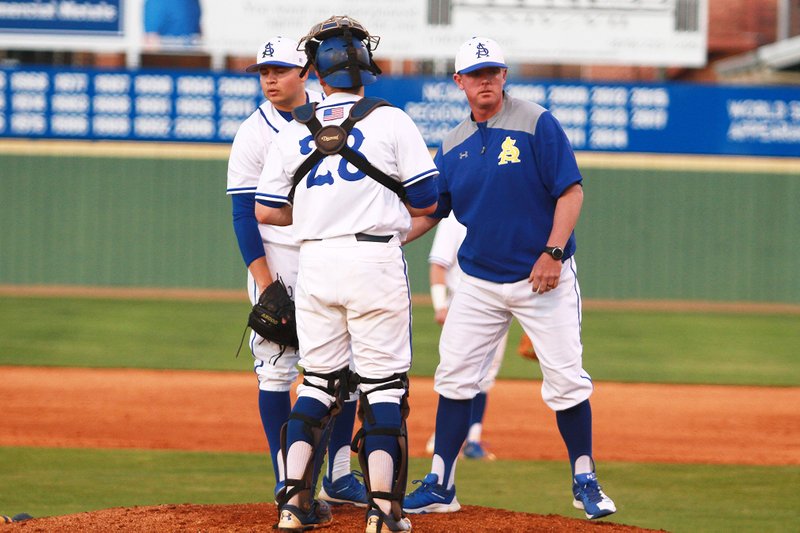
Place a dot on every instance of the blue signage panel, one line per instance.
(657, 118)
(209, 106)
(102, 17)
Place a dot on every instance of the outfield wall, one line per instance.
(653, 227)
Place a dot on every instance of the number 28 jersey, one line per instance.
(335, 198)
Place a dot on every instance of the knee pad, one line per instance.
(316, 431)
(370, 430)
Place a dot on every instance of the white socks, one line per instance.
(475, 431)
(381, 474)
(341, 463)
(584, 465)
(296, 460)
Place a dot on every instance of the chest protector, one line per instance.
(332, 140)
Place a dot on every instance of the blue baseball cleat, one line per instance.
(430, 497)
(345, 490)
(475, 450)
(589, 496)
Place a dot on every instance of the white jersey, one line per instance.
(335, 198)
(450, 234)
(248, 152)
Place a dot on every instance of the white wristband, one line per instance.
(439, 296)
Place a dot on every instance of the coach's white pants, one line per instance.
(478, 319)
(353, 294)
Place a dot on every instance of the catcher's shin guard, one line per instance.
(318, 431)
(397, 494)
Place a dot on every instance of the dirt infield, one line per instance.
(119, 408)
(246, 518)
(217, 411)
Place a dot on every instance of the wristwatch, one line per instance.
(556, 252)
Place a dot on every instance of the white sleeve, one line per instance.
(414, 162)
(274, 184)
(247, 157)
(448, 238)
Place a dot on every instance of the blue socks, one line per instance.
(575, 425)
(478, 409)
(274, 408)
(389, 416)
(342, 433)
(452, 426)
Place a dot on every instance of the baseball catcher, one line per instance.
(272, 316)
(353, 294)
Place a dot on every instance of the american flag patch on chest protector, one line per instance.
(333, 113)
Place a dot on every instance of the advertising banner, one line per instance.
(68, 17)
(209, 106)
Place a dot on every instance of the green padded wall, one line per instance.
(658, 234)
(644, 234)
(119, 222)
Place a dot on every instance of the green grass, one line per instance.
(658, 347)
(161, 334)
(619, 346)
(690, 498)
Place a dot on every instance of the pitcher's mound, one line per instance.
(262, 516)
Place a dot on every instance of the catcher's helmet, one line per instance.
(344, 64)
(340, 48)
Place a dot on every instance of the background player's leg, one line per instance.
(340, 485)
(476, 417)
(341, 436)
(474, 448)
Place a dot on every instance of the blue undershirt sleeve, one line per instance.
(422, 193)
(270, 203)
(245, 226)
(443, 208)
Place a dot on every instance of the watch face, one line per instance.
(557, 253)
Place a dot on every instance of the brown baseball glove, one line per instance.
(272, 316)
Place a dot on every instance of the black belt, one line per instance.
(365, 237)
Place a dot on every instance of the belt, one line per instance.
(365, 237)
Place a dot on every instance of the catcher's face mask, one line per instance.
(340, 49)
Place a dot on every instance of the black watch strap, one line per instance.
(556, 252)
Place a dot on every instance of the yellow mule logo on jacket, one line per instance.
(510, 153)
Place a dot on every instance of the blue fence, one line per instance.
(209, 106)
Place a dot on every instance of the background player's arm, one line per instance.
(547, 271)
(437, 275)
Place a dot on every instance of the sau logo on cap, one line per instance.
(278, 51)
(478, 53)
